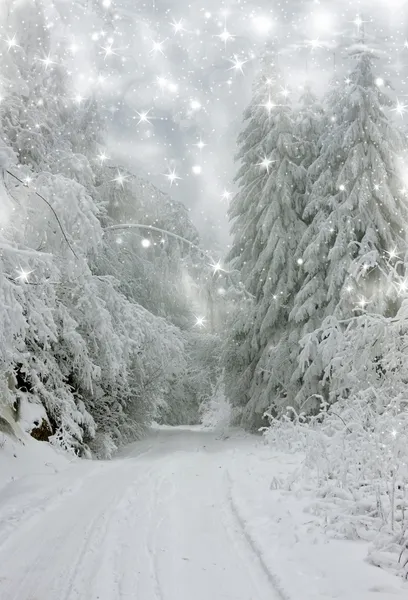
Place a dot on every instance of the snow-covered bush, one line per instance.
(356, 462)
(216, 411)
(192, 386)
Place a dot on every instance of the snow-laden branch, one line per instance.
(158, 230)
(50, 206)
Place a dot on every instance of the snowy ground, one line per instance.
(185, 514)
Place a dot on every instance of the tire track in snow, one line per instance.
(94, 534)
(128, 537)
(67, 547)
(117, 529)
(154, 528)
(24, 515)
(252, 545)
(46, 553)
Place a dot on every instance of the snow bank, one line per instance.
(28, 459)
(280, 519)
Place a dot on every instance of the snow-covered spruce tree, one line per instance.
(280, 360)
(267, 228)
(310, 121)
(239, 357)
(355, 211)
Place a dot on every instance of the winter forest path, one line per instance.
(156, 523)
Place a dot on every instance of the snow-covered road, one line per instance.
(157, 523)
(185, 514)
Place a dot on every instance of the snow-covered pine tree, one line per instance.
(239, 356)
(267, 229)
(280, 359)
(309, 125)
(356, 210)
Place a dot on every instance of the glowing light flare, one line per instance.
(314, 44)
(102, 157)
(47, 62)
(358, 22)
(266, 163)
(146, 243)
(379, 82)
(78, 99)
(269, 105)
(171, 176)
(144, 117)
(226, 36)
(216, 267)
(362, 303)
(23, 275)
(393, 254)
(400, 108)
(197, 169)
(120, 178)
(157, 47)
(11, 43)
(108, 50)
(226, 195)
(402, 286)
(177, 26)
(237, 64)
(200, 144)
(200, 322)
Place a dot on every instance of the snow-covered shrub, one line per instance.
(102, 446)
(356, 461)
(216, 411)
(194, 384)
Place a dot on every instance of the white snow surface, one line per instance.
(183, 514)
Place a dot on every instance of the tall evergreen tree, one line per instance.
(266, 229)
(280, 359)
(356, 210)
(239, 355)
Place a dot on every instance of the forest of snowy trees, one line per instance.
(97, 326)
(319, 237)
(120, 310)
(304, 321)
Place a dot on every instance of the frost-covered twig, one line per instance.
(52, 209)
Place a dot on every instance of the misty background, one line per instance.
(179, 77)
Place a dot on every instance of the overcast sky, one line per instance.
(181, 63)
